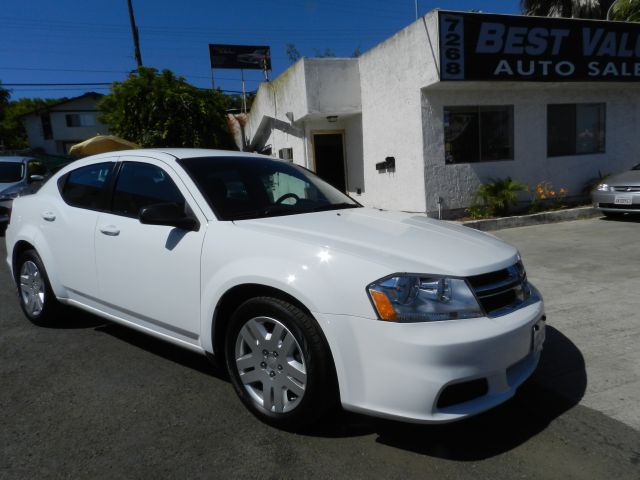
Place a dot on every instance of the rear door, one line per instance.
(150, 274)
(68, 222)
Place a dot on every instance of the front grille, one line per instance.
(626, 188)
(633, 206)
(502, 291)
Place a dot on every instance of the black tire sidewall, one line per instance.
(317, 397)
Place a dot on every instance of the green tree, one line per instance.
(621, 10)
(4, 104)
(292, 53)
(159, 109)
(595, 9)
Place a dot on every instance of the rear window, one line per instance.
(85, 187)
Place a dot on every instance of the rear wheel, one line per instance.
(37, 300)
(279, 364)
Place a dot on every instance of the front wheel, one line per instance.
(279, 363)
(37, 300)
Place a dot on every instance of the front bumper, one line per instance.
(606, 201)
(401, 371)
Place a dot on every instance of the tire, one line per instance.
(287, 381)
(37, 300)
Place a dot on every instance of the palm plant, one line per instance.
(496, 197)
(594, 9)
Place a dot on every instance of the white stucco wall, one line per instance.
(457, 183)
(392, 76)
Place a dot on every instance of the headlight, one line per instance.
(603, 187)
(423, 298)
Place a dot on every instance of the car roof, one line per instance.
(15, 159)
(179, 153)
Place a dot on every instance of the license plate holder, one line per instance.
(623, 200)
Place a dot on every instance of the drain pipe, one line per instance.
(439, 202)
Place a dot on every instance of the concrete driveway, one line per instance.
(95, 400)
(589, 274)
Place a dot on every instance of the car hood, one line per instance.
(6, 188)
(630, 178)
(402, 242)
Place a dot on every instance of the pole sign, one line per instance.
(245, 57)
(476, 46)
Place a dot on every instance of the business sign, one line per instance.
(517, 48)
(245, 57)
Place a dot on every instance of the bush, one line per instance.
(544, 197)
(493, 199)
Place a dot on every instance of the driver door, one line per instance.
(150, 274)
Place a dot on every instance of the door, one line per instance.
(328, 151)
(149, 274)
(69, 223)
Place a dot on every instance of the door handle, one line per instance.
(110, 230)
(49, 216)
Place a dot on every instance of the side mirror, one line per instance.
(168, 214)
(36, 178)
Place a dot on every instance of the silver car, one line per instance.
(18, 176)
(619, 194)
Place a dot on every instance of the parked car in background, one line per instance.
(18, 176)
(307, 298)
(619, 194)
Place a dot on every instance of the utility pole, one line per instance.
(416, 9)
(134, 32)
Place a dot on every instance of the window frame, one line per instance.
(603, 114)
(105, 190)
(479, 110)
(112, 192)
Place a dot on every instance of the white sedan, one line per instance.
(310, 299)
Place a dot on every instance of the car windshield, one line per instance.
(239, 188)
(11, 172)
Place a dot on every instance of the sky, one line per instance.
(89, 41)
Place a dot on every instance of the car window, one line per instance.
(239, 188)
(85, 186)
(11, 172)
(140, 185)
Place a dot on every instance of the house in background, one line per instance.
(59, 126)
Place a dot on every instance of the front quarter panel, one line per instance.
(322, 279)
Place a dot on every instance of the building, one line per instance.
(418, 122)
(61, 125)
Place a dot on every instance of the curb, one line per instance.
(579, 213)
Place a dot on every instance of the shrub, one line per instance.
(493, 199)
(545, 197)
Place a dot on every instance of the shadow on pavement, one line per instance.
(163, 349)
(628, 218)
(557, 385)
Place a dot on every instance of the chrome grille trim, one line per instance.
(503, 291)
(626, 188)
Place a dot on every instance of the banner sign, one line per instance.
(245, 57)
(475, 46)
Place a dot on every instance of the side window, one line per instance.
(140, 185)
(85, 186)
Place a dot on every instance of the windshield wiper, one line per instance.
(268, 211)
(334, 206)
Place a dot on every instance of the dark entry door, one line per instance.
(329, 154)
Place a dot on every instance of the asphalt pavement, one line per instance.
(91, 399)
